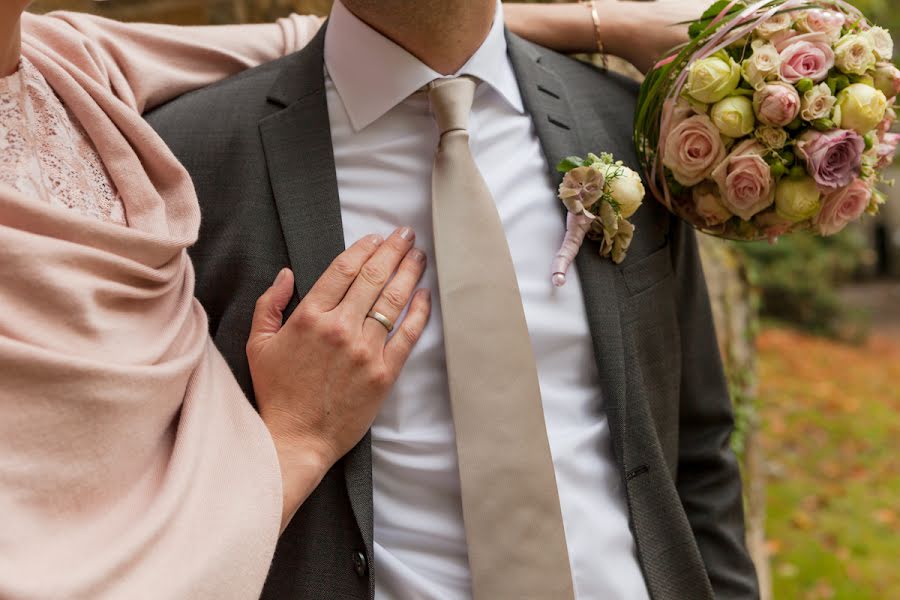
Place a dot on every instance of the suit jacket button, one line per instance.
(360, 564)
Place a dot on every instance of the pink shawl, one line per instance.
(131, 465)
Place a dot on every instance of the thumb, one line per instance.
(268, 316)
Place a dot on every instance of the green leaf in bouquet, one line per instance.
(593, 159)
(778, 170)
(788, 158)
(569, 163)
(870, 140)
(805, 85)
(797, 171)
(676, 188)
(823, 125)
(700, 26)
(838, 82)
(738, 53)
(794, 125)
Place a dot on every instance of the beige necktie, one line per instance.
(514, 528)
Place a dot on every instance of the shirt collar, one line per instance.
(372, 74)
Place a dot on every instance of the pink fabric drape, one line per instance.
(131, 464)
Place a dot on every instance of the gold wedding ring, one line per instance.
(373, 314)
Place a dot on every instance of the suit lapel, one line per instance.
(300, 159)
(556, 125)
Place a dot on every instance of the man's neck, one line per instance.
(10, 43)
(443, 34)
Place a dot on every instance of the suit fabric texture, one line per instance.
(258, 147)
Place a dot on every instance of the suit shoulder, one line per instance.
(583, 79)
(242, 95)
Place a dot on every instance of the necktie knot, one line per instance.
(451, 102)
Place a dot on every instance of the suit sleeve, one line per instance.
(146, 65)
(709, 479)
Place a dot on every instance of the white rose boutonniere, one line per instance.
(600, 195)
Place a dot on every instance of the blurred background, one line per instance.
(810, 332)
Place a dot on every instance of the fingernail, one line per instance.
(418, 255)
(407, 234)
(281, 275)
(377, 240)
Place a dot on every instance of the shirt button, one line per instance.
(360, 564)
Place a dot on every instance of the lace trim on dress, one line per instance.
(45, 152)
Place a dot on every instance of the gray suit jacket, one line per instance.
(259, 149)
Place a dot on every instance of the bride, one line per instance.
(130, 459)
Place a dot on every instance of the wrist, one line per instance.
(303, 464)
(619, 25)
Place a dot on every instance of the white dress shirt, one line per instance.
(384, 142)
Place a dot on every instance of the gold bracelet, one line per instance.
(595, 15)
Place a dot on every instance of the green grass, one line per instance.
(832, 440)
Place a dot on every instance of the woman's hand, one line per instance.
(321, 377)
(639, 32)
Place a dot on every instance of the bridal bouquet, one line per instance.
(774, 118)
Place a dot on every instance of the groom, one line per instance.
(444, 498)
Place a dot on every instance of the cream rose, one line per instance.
(854, 54)
(774, 138)
(693, 149)
(797, 198)
(708, 204)
(711, 79)
(762, 65)
(773, 25)
(882, 42)
(745, 180)
(734, 116)
(860, 107)
(817, 103)
(626, 188)
(887, 79)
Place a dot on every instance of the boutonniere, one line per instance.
(601, 194)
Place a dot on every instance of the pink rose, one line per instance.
(827, 22)
(745, 180)
(708, 204)
(773, 225)
(693, 149)
(833, 158)
(843, 206)
(776, 104)
(889, 118)
(780, 39)
(807, 56)
(886, 149)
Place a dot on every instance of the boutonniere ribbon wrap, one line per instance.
(600, 195)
